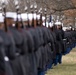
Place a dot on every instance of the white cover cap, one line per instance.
(64, 28)
(1, 19)
(10, 14)
(43, 18)
(17, 16)
(46, 24)
(30, 16)
(24, 16)
(38, 16)
(58, 23)
(35, 16)
(51, 24)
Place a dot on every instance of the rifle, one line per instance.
(4, 11)
(35, 11)
(45, 16)
(18, 13)
(31, 8)
(27, 15)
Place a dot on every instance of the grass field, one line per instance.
(68, 67)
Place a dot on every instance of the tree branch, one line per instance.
(60, 10)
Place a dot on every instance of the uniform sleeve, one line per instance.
(12, 49)
(2, 62)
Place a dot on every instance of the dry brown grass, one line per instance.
(68, 67)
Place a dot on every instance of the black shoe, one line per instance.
(60, 62)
